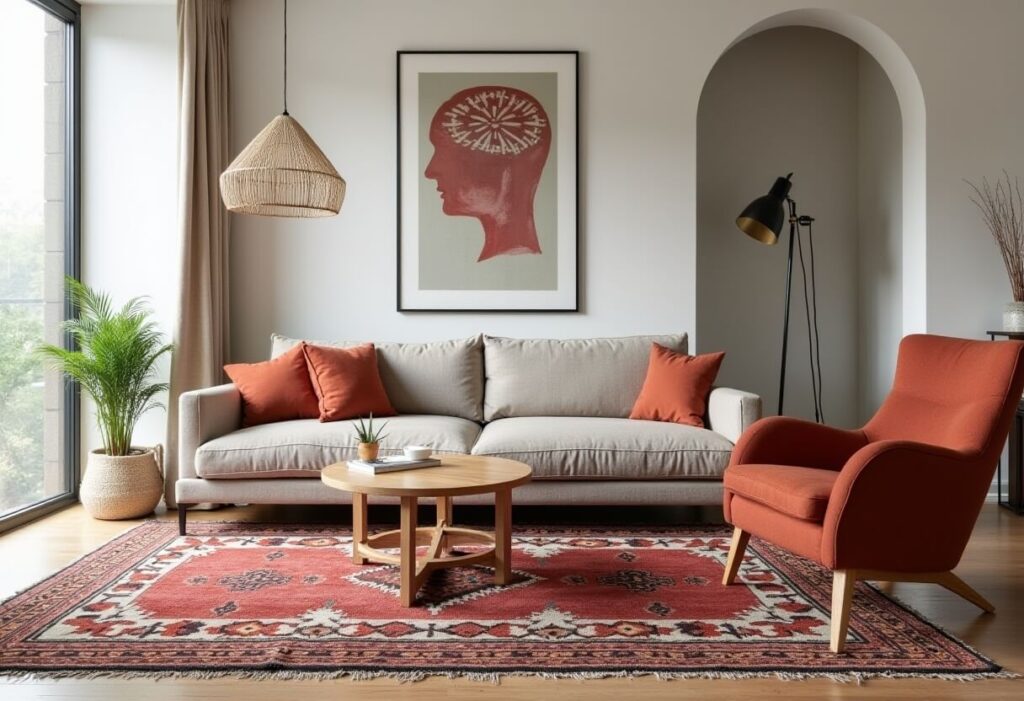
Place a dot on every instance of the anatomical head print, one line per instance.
(490, 147)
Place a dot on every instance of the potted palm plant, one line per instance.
(114, 362)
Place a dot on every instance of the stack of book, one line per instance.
(392, 463)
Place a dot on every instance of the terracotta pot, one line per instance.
(368, 451)
(122, 486)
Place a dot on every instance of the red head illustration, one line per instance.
(490, 147)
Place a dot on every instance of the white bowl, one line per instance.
(417, 452)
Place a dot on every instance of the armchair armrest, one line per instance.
(904, 506)
(781, 440)
(732, 411)
(205, 414)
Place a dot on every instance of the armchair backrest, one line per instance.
(952, 392)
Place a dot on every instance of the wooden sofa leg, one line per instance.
(182, 511)
(740, 538)
(843, 582)
(963, 589)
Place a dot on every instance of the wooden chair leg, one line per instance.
(740, 538)
(963, 589)
(843, 582)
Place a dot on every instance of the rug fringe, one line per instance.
(359, 675)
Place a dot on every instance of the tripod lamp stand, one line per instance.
(762, 220)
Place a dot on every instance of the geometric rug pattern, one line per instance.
(270, 600)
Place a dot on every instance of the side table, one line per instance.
(456, 475)
(1015, 462)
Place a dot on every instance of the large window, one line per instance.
(38, 242)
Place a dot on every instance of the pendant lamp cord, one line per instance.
(286, 56)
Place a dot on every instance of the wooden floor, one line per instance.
(994, 564)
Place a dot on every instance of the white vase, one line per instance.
(122, 486)
(1013, 316)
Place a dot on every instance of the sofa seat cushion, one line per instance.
(303, 448)
(564, 447)
(801, 492)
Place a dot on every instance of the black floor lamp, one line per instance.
(762, 221)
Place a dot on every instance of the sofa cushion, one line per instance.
(443, 377)
(575, 377)
(677, 387)
(347, 382)
(275, 390)
(303, 448)
(562, 447)
(802, 492)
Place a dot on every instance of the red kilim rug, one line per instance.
(287, 601)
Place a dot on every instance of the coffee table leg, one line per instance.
(407, 543)
(503, 536)
(359, 527)
(444, 518)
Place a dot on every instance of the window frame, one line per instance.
(69, 12)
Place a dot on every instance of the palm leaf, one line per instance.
(115, 361)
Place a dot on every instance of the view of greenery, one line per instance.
(23, 173)
(21, 374)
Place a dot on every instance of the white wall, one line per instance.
(644, 63)
(643, 67)
(879, 251)
(129, 182)
(336, 277)
(782, 100)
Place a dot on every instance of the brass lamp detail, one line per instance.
(763, 218)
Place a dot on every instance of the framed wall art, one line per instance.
(487, 181)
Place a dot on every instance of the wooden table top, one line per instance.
(457, 474)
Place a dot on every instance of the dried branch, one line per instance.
(1002, 209)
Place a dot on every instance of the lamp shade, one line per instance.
(282, 173)
(763, 218)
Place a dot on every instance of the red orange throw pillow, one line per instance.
(677, 387)
(347, 382)
(277, 390)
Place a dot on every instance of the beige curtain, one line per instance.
(201, 334)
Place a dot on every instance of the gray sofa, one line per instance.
(559, 405)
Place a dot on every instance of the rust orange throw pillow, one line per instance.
(347, 382)
(677, 387)
(277, 390)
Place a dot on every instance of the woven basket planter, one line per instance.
(122, 486)
(282, 173)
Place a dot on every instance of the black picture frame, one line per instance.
(574, 307)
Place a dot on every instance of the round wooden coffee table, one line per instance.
(457, 475)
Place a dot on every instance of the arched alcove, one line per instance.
(831, 97)
(910, 95)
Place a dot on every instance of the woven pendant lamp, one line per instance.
(282, 172)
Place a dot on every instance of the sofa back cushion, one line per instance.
(347, 382)
(276, 390)
(598, 377)
(442, 377)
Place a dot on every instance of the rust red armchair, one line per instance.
(895, 500)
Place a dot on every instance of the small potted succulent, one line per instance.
(369, 438)
(115, 362)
